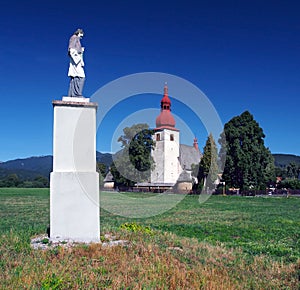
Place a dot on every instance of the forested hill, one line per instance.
(33, 166)
(29, 168)
(282, 160)
(41, 165)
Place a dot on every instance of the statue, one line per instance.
(76, 67)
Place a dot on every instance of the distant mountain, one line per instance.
(22, 174)
(105, 158)
(282, 160)
(29, 168)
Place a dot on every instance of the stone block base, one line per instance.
(74, 206)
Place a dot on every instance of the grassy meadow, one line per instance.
(227, 242)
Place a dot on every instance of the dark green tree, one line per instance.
(134, 162)
(101, 169)
(40, 181)
(120, 180)
(248, 163)
(292, 170)
(208, 166)
(290, 183)
(12, 180)
(282, 172)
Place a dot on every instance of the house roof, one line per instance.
(188, 155)
(109, 177)
(184, 177)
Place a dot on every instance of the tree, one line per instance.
(290, 183)
(249, 164)
(292, 170)
(208, 166)
(12, 180)
(134, 162)
(40, 181)
(101, 169)
(282, 172)
(269, 172)
(118, 177)
(140, 148)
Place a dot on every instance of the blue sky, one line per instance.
(244, 55)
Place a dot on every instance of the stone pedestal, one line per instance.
(74, 182)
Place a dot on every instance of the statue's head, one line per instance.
(79, 32)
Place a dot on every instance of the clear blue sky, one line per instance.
(244, 55)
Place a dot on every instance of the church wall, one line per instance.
(171, 156)
(166, 157)
(157, 175)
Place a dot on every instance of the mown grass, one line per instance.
(224, 243)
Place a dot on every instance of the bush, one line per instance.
(290, 183)
(134, 227)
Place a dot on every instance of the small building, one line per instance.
(184, 182)
(108, 182)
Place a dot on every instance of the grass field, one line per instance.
(228, 242)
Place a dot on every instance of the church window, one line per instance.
(157, 137)
(172, 137)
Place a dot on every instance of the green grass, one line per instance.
(24, 209)
(258, 225)
(247, 243)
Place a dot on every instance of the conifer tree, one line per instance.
(249, 164)
(208, 167)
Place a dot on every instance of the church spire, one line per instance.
(196, 144)
(165, 118)
(166, 89)
(165, 102)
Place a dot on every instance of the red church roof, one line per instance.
(165, 120)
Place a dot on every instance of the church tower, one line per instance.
(166, 152)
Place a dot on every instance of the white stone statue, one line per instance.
(76, 67)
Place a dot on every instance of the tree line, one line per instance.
(243, 161)
(13, 180)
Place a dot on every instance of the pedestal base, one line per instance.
(74, 206)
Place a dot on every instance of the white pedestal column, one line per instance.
(74, 182)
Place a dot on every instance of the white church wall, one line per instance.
(166, 157)
(157, 175)
(171, 150)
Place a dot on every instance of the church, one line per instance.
(173, 161)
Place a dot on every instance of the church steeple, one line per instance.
(165, 118)
(196, 144)
(167, 149)
(165, 102)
